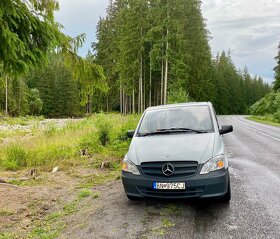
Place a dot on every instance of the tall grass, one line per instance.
(15, 157)
(102, 134)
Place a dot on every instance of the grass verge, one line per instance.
(264, 120)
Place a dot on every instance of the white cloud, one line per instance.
(249, 28)
(81, 17)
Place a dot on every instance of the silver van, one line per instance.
(177, 151)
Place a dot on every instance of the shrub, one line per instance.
(268, 105)
(277, 115)
(103, 126)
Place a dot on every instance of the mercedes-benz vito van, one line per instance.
(177, 151)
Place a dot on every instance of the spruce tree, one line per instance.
(276, 84)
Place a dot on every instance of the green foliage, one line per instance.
(269, 104)
(103, 126)
(26, 35)
(276, 84)
(58, 90)
(84, 193)
(35, 102)
(236, 91)
(178, 96)
(16, 157)
(112, 129)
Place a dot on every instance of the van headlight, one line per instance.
(130, 167)
(213, 164)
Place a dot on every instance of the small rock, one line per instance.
(55, 170)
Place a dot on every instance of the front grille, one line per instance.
(181, 169)
(187, 193)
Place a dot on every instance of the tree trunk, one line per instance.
(107, 103)
(6, 100)
(89, 104)
(121, 99)
(144, 88)
(161, 79)
(133, 101)
(123, 103)
(150, 83)
(140, 103)
(166, 70)
(19, 97)
(139, 94)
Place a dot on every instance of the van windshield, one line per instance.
(193, 119)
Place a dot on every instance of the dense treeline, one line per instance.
(154, 50)
(235, 90)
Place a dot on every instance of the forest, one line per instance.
(147, 53)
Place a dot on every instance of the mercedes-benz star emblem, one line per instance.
(168, 169)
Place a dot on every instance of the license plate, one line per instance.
(169, 186)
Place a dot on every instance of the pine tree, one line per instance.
(276, 84)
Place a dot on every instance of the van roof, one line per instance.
(179, 105)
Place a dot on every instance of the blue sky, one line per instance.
(249, 28)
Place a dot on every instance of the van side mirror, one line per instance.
(130, 133)
(226, 129)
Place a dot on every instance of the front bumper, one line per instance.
(214, 184)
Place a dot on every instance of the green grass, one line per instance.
(4, 212)
(16, 157)
(265, 120)
(7, 236)
(101, 134)
(84, 193)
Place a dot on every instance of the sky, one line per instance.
(250, 29)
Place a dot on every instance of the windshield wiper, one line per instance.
(174, 129)
(153, 133)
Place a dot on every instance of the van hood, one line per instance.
(174, 147)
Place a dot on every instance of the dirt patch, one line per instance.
(26, 203)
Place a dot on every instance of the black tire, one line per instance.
(131, 198)
(226, 198)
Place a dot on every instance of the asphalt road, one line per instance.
(254, 212)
